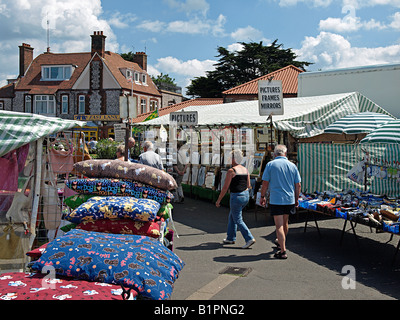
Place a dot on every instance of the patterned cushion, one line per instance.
(97, 208)
(118, 187)
(21, 286)
(137, 262)
(122, 226)
(126, 170)
(76, 200)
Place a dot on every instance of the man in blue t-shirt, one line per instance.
(282, 178)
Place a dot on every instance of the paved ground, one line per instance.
(313, 270)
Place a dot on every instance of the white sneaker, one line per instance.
(249, 243)
(228, 242)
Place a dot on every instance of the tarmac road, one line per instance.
(313, 270)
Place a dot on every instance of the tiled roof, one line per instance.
(115, 62)
(288, 75)
(180, 106)
(32, 79)
(7, 91)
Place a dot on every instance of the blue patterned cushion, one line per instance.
(137, 262)
(97, 208)
(118, 187)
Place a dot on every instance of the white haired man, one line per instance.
(149, 157)
(283, 180)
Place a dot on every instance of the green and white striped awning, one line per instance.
(363, 122)
(18, 129)
(387, 133)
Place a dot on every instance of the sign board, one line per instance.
(124, 101)
(97, 117)
(119, 132)
(190, 118)
(270, 97)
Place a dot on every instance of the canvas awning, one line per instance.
(18, 129)
(387, 133)
(304, 117)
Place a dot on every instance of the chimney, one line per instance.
(141, 59)
(25, 58)
(98, 43)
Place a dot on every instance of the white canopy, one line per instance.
(304, 117)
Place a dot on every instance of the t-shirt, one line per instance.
(282, 175)
(152, 159)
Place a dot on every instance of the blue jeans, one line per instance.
(237, 202)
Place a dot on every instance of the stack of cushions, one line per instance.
(132, 261)
(119, 197)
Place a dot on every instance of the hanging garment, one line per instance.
(11, 246)
(61, 161)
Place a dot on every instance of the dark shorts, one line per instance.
(278, 210)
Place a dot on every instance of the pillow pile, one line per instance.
(137, 262)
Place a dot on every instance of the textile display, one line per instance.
(61, 161)
(97, 208)
(126, 170)
(76, 200)
(22, 286)
(122, 226)
(137, 262)
(118, 187)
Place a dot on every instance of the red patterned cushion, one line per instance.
(21, 286)
(122, 226)
(36, 253)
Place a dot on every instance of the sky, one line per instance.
(181, 37)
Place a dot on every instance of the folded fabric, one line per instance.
(117, 187)
(126, 170)
(76, 200)
(21, 286)
(137, 262)
(122, 226)
(97, 208)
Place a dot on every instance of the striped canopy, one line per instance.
(357, 123)
(18, 129)
(387, 133)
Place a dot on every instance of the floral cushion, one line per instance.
(137, 262)
(21, 286)
(126, 170)
(122, 226)
(117, 187)
(97, 208)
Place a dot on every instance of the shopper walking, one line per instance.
(238, 182)
(283, 180)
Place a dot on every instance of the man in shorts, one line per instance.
(282, 178)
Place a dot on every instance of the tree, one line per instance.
(163, 79)
(235, 68)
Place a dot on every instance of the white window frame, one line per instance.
(64, 104)
(81, 104)
(1, 105)
(143, 105)
(47, 105)
(144, 78)
(67, 71)
(28, 104)
(137, 78)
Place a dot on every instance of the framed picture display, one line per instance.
(255, 164)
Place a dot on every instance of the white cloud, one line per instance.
(330, 51)
(314, 3)
(190, 6)
(248, 34)
(192, 68)
(121, 21)
(192, 26)
(349, 24)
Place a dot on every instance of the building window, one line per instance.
(28, 104)
(143, 104)
(153, 105)
(144, 78)
(1, 105)
(81, 104)
(56, 73)
(45, 105)
(136, 77)
(64, 104)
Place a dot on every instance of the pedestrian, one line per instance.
(121, 152)
(92, 144)
(179, 170)
(238, 182)
(282, 178)
(149, 157)
(131, 144)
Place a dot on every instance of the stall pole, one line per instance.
(36, 196)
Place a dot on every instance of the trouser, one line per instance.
(237, 202)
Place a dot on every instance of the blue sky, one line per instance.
(181, 36)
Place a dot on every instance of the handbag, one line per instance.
(61, 161)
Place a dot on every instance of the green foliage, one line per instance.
(235, 68)
(106, 149)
